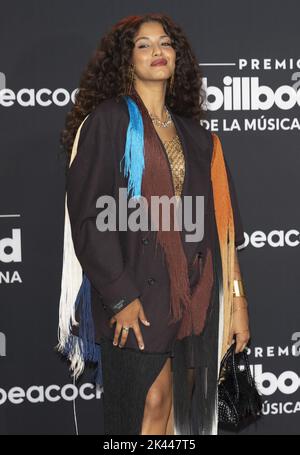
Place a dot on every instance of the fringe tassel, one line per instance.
(134, 150)
(86, 326)
(170, 241)
(79, 350)
(194, 318)
(70, 285)
(226, 233)
(76, 294)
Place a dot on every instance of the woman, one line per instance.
(155, 310)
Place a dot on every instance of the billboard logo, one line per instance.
(246, 94)
(268, 383)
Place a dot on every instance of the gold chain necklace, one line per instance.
(164, 124)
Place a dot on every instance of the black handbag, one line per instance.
(238, 397)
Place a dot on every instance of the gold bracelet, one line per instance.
(238, 288)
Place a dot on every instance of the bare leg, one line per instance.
(158, 403)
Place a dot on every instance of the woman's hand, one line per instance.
(240, 324)
(129, 317)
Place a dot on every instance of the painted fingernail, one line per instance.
(114, 343)
(141, 346)
(120, 346)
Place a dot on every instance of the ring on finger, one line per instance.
(126, 329)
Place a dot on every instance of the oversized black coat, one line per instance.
(122, 266)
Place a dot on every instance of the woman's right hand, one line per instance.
(129, 317)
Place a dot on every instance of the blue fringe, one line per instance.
(89, 350)
(134, 150)
(86, 325)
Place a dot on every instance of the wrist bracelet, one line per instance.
(238, 288)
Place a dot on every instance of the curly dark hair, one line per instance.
(106, 74)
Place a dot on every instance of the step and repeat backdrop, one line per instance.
(249, 54)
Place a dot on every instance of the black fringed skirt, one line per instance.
(129, 373)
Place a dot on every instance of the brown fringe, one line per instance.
(192, 309)
(156, 165)
(195, 317)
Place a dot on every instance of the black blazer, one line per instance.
(123, 265)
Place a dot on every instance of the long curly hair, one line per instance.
(106, 74)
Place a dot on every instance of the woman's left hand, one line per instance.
(240, 324)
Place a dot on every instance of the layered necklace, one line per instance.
(164, 124)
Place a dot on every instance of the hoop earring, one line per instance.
(130, 80)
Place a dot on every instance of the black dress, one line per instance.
(124, 265)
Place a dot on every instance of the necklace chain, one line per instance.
(164, 124)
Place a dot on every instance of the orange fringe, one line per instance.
(225, 227)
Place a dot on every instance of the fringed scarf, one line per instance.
(157, 181)
(76, 293)
(149, 175)
(226, 234)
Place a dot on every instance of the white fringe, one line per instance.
(70, 284)
(76, 360)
